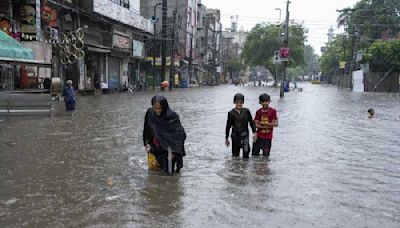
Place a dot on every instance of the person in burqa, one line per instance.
(69, 96)
(163, 130)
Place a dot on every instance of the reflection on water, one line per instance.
(328, 161)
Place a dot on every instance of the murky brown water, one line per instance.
(330, 165)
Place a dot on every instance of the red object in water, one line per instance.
(164, 84)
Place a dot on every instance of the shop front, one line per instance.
(114, 72)
(95, 66)
(18, 67)
(136, 72)
(118, 61)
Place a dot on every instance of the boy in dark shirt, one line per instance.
(239, 120)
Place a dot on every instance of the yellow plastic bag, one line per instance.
(152, 162)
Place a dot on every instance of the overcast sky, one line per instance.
(317, 15)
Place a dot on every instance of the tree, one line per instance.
(335, 53)
(367, 22)
(371, 20)
(263, 41)
(311, 60)
(234, 66)
(294, 72)
(384, 56)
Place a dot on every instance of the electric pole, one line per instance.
(154, 42)
(285, 45)
(172, 65)
(164, 39)
(190, 56)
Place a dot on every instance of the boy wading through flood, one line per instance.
(265, 120)
(239, 120)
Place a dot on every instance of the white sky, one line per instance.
(317, 15)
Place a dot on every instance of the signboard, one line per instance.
(81, 73)
(359, 56)
(358, 81)
(116, 12)
(364, 67)
(27, 18)
(342, 64)
(134, 5)
(276, 59)
(137, 48)
(158, 61)
(120, 41)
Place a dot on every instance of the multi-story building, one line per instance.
(232, 46)
(114, 35)
(92, 42)
(200, 56)
(184, 31)
(23, 45)
(213, 54)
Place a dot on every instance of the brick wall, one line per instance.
(390, 84)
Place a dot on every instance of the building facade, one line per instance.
(95, 43)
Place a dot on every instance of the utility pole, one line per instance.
(279, 41)
(154, 43)
(190, 56)
(164, 39)
(285, 44)
(172, 65)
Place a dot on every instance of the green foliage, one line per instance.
(264, 40)
(383, 55)
(370, 19)
(335, 52)
(294, 72)
(311, 60)
(366, 23)
(234, 65)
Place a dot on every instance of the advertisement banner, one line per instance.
(116, 12)
(137, 49)
(120, 41)
(27, 18)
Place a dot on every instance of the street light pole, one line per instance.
(172, 64)
(164, 38)
(279, 39)
(285, 44)
(154, 41)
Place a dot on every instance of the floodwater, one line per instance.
(330, 165)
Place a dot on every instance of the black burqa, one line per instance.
(167, 128)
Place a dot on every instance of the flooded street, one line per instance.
(330, 165)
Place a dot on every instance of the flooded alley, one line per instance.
(330, 166)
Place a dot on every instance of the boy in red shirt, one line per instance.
(265, 121)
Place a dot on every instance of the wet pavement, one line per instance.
(330, 165)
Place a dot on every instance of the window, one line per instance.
(123, 3)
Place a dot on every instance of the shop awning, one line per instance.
(27, 62)
(98, 48)
(10, 48)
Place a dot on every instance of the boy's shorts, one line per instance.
(240, 143)
(261, 144)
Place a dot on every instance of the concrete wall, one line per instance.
(390, 84)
